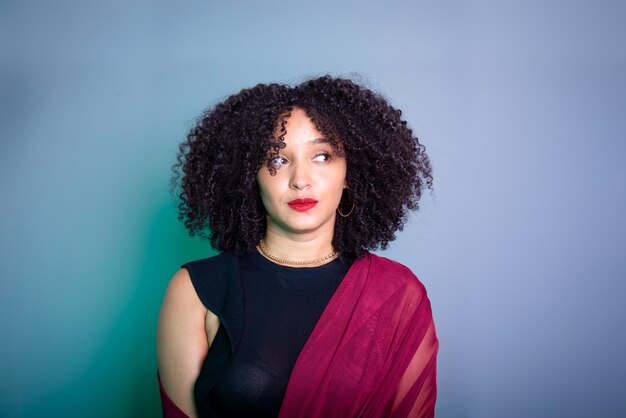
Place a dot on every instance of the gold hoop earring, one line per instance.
(350, 212)
(347, 214)
(256, 220)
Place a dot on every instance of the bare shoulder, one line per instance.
(180, 291)
(182, 341)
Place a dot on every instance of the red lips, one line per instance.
(302, 205)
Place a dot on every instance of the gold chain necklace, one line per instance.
(294, 263)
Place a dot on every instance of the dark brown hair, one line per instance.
(217, 165)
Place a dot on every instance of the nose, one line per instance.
(300, 176)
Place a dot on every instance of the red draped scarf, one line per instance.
(373, 351)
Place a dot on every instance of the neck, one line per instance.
(299, 247)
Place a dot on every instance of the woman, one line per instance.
(295, 317)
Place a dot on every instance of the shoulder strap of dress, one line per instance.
(217, 281)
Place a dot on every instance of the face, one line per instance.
(303, 195)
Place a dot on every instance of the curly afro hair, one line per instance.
(387, 167)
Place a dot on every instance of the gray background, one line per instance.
(521, 245)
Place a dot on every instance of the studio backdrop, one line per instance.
(520, 245)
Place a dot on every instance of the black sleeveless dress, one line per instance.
(267, 312)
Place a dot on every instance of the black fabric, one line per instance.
(217, 281)
(267, 311)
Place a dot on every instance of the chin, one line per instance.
(305, 227)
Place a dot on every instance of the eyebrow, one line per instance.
(319, 141)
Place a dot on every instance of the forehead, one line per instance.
(300, 129)
(297, 128)
(298, 123)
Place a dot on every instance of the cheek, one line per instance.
(268, 188)
(337, 184)
(341, 177)
(265, 197)
(262, 185)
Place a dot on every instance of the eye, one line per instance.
(278, 161)
(322, 156)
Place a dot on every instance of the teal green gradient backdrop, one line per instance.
(520, 105)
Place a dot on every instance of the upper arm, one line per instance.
(422, 372)
(416, 393)
(181, 341)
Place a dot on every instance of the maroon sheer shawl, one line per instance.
(373, 351)
(371, 354)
